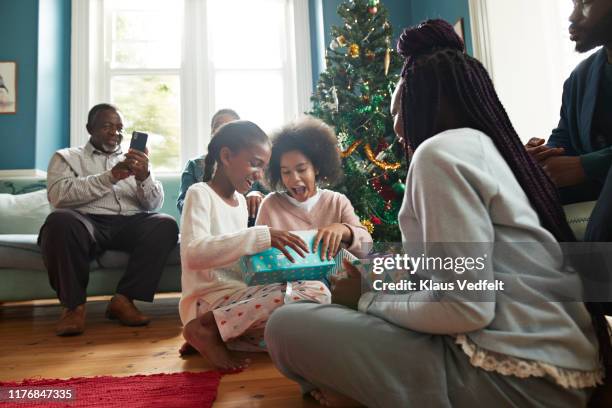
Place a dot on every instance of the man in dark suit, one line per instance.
(578, 155)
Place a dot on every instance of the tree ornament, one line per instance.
(380, 163)
(368, 225)
(338, 42)
(334, 91)
(399, 188)
(375, 220)
(387, 61)
(333, 105)
(370, 55)
(373, 6)
(354, 51)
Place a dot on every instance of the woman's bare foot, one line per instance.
(187, 350)
(329, 398)
(203, 335)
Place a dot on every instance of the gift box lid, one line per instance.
(274, 259)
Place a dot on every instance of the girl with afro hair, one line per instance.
(304, 158)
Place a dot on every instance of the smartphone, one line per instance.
(139, 141)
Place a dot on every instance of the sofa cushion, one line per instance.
(21, 251)
(578, 216)
(23, 213)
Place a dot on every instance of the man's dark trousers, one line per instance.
(70, 240)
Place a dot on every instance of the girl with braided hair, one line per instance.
(195, 167)
(219, 312)
(470, 181)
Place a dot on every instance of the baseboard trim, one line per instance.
(25, 173)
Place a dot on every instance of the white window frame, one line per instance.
(90, 74)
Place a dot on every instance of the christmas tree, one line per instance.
(353, 95)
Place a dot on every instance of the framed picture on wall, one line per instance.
(8, 87)
(459, 28)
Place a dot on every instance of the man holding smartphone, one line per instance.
(103, 200)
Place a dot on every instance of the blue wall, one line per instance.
(19, 33)
(53, 104)
(36, 34)
(449, 10)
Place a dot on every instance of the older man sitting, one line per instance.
(104, 200)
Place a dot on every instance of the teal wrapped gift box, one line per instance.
(272, 266)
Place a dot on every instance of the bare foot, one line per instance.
(187, 350)
(329, 398)
(203, 335)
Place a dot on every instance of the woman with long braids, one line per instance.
(470, 181)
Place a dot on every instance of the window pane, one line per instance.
(246, 33)
(145, 34)
(142, 54)
(256, 96)
(150, 103)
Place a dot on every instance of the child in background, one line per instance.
(194, 169)
(217, 309)
(304, 154)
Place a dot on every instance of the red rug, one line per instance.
(180, 390)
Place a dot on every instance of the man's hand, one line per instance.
(121, 171)
(565, 171)
(138, 163)
(540, 152)
(253, 200)
(346, 291)
(330, 238)
(281, 239)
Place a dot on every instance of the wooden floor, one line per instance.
(29, 348)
